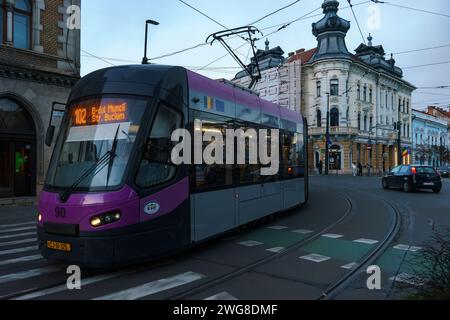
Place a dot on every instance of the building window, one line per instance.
(334, 87)
(365, 122)
(319, 89)
(359, 121)
(387, 101)
(404, 105)
(358, 90)
(371, 123)
(399, 103)
(346, 88)
(407, 106)
(22, 24)
(2, 21)
(365, 93)
(319, 119)
(371, 95)
(334, 117)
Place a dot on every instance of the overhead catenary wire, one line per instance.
(357, 22)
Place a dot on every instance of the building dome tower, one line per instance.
(330, 32)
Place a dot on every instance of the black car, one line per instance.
(444, 171)
(411, 177)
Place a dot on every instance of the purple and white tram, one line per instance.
(112, 195)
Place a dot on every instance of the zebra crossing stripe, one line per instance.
(13, 243)
(153, 287)
(366, 241)
(19, 260)
(302, 231)
(250, 243)
(28, 274)
(6, 226)
(4, 231)
(223, 296)
(61, 288)
(350, 266)
(277, 228)
(405, 247)
(332, 236)
(19, 250)
(276, 250)
(17, 235)
(318, 258)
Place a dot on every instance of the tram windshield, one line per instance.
(98, 137)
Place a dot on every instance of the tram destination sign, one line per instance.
(96, 114)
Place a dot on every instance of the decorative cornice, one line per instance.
(43, 77)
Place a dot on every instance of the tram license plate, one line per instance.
(59, 246)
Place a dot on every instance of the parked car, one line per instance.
(413, 177)
(443, 171)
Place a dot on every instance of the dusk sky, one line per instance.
(114, 31)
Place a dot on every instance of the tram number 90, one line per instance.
(60, 213)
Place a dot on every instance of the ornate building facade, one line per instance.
(39, 64)
(364, 94)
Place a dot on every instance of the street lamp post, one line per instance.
(155, 23)
(327, 143)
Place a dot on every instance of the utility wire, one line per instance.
(356, 19)
(423, 49)
(415, 9)
(275, 12)
(427, 65)
(97, 57)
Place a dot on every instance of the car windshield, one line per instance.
(98, 132)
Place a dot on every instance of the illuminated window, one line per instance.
(22, 24)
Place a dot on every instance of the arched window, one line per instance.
(334, 117)
(319, 119)
(22, 24)
(14, 118)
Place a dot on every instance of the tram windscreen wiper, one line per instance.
(107, 158)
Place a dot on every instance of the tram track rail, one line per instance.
(334, 289)
(184, 295)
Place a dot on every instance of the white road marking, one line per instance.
(4, 231)
(276, 250)
(250, 243)
(223, 296)
(332, 236)
(61, 288)
(18, 250)
(277, 228)
(302, 231)
(405, 247)
(350, 266)
(28, 274)
(5, 226)
(406, 278)
(19, 260)
(153, 287)
(315, 258)
(367, 241)
(12, 243)
(17, 235)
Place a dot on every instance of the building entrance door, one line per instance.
(17, 151)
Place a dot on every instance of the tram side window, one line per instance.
(248, 173)
(213, 176)
(156, 167)
(292, 156)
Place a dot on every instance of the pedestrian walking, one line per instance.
(354, 169)
(360, 169)
(320, 167)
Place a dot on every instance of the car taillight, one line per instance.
(414, 171)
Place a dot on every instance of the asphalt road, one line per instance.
(298, 255)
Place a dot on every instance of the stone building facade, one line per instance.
(365, 95)
(39, 64)
(430, 137)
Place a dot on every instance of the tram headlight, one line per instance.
(39, 217)
(106, 218)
